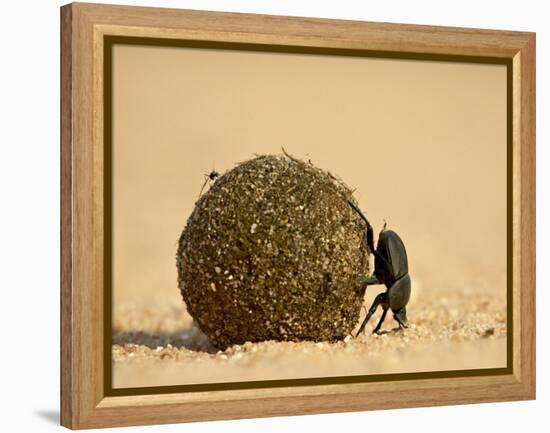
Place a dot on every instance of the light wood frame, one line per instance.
(83, 400)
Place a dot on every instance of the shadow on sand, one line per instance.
(391, 331)
(191, 339)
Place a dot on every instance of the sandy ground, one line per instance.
(155, 343)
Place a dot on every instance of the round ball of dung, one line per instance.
(273, 251)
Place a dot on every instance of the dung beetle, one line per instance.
(391, 269)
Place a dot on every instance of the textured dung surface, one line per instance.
(272, 252)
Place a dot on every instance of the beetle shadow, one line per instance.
(188, 338)
(391, 331)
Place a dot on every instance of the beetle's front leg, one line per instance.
(363, 282)
(382, 298)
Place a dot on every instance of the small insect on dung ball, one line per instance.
(273, 251)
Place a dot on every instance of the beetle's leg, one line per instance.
(382, 298)
(370, 232)
(363, 282)
(373, 279)
(382, 318)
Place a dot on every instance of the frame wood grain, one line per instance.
(83, 28)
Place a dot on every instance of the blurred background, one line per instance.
(423, 143)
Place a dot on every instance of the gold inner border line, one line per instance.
(110, 40)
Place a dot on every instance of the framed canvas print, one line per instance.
(267, 215)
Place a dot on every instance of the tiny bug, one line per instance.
(209, 177)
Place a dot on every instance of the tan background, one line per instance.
(423, 142)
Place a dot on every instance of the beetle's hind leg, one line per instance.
(381, 299)
(382, 318)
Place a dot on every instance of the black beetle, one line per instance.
(391, 269)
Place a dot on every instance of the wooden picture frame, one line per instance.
(85, 28)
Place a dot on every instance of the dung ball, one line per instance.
(273, 251)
